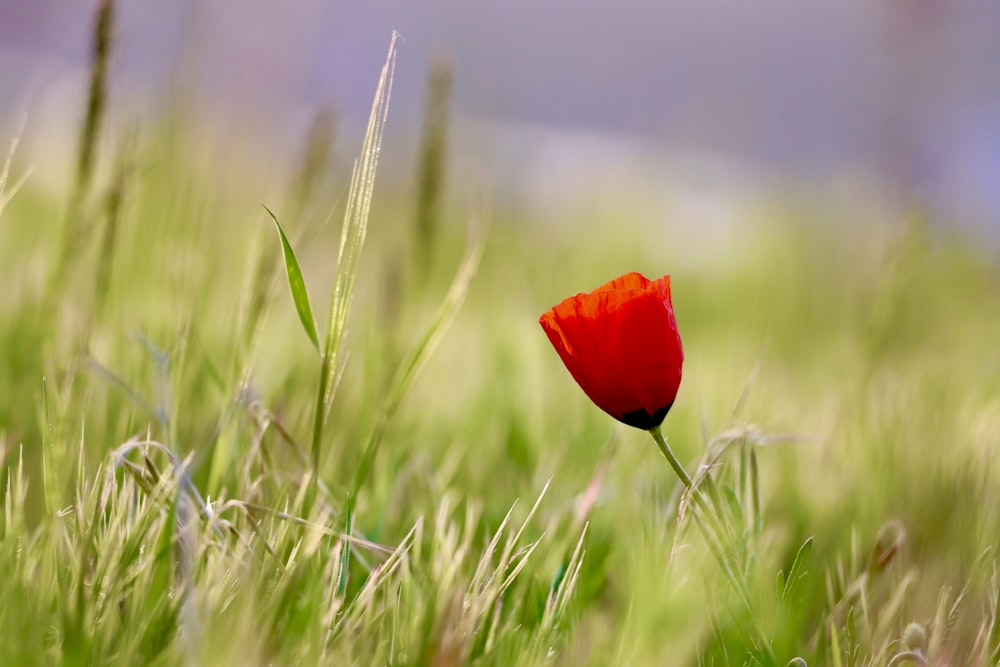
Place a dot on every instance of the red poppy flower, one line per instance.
(621, 345)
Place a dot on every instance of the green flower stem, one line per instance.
(669, 455)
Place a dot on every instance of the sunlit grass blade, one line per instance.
(352, 239)
(15, 493)
(296, 283)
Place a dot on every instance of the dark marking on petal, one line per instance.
(642, 419)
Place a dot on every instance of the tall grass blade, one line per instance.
(297, 284)
(105, 260)
(90, 133)
(430, 173)
(97, 94)
(351, 241)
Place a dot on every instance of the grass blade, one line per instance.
(97, 93)
(798, 569)
(297, 284)
(431, 173)
(352, 239)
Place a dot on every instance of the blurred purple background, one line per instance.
(809, 89)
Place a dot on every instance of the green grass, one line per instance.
(182, 484)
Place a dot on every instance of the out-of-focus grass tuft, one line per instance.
(168, 496)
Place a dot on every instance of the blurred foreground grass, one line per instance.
(848, 371)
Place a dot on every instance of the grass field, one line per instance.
(171, 497)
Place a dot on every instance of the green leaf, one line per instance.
(798, 569)
(297, 284)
